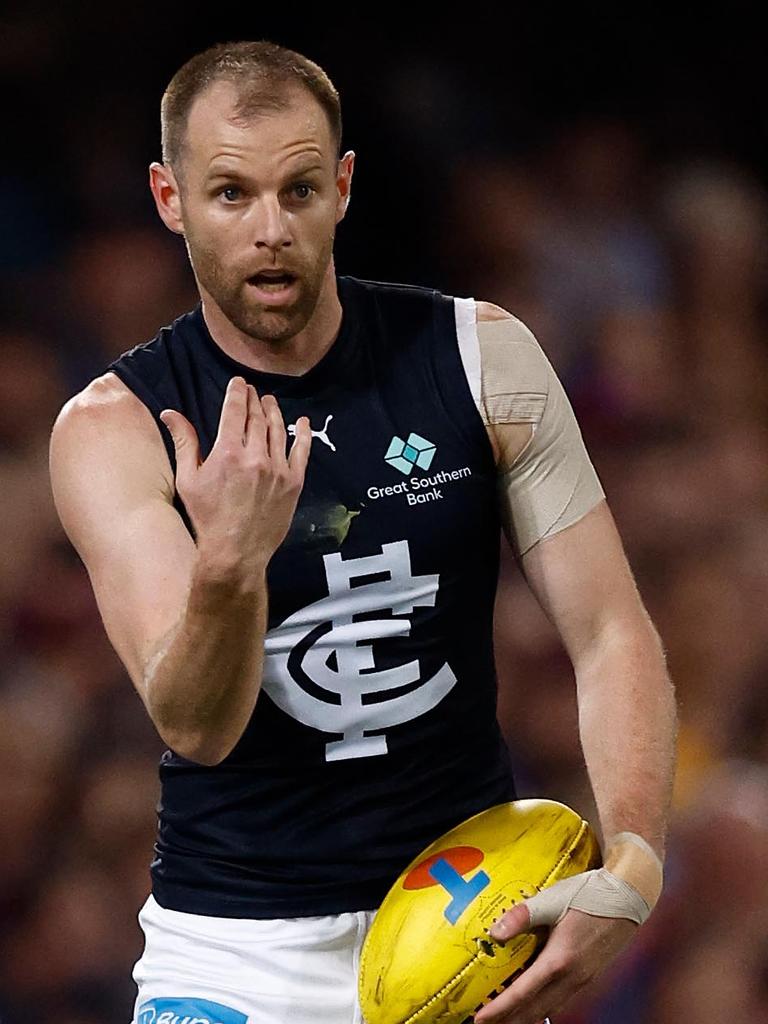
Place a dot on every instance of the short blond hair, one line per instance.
(264, 74)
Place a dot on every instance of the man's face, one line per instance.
(259, 195)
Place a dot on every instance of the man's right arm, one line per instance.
(187, 619)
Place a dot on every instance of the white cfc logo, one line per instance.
(319, 665)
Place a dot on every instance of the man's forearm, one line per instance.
(201, 684)
(627, 721)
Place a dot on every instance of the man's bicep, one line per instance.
(582, 580)
(140, 572)
(110, 482)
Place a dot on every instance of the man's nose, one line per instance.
(270, 224)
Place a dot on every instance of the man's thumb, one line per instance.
(184, 440)
(512, 922)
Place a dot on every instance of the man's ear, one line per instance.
(165, 190)
(344, 183)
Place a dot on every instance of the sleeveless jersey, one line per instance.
(375, 727)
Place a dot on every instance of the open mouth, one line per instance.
(272, 283)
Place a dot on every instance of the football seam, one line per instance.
(567, 853)
(444, 990)
(457, 977)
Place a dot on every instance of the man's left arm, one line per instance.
(579, 573)
(583, 582)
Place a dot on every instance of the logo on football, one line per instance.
(427, 957)
(448, 868)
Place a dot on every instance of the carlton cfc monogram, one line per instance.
(319, 668)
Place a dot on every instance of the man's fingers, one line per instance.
(185, 442)
(276, 435)
(522, 995)
(578, 948)
(302, 442)
(514, 922)
(536, 992)
(549, 998)
(234, 412)
(531, 982)
(256, 425)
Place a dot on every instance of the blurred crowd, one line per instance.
(647, 286)
(644, 278)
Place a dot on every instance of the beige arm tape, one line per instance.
(627, 887)
(596, 892)
(552, 482)
(630, 857)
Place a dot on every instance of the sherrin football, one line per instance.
(427, 957)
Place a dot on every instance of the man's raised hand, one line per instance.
(242, 498)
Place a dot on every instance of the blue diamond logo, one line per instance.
(404, 455)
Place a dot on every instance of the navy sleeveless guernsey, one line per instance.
(375, 728)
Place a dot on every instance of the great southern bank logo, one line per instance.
(188, 1011)
(415, 453)
(404, 455)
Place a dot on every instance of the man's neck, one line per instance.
(293, 356)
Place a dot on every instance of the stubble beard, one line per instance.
(235, 297)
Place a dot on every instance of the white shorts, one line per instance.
(219, 970)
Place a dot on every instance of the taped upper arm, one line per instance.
(113, 488)
(551, 483)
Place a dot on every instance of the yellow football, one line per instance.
(427, 957)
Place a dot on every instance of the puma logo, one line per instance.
(322, 434)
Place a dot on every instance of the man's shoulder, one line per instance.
(486, 312)
(489, 311)
(373, 282)
(103, 439)
(399, 306)
(370, 285)
(105, 404)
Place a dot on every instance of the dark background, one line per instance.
(601, 175)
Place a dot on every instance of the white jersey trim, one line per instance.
(465, 311)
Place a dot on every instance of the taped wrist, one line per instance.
(595, 892)
(629, 857)
(628, 886)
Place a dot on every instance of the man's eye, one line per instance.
(303, 185)
(226, 192)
